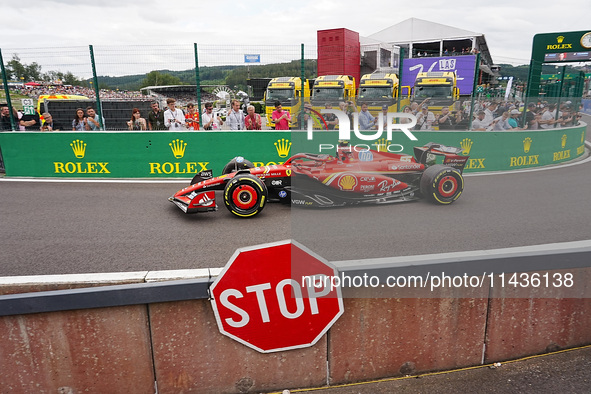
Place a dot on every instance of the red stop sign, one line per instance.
(276, 297)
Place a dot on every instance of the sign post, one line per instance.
(276, 297)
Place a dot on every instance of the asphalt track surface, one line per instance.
(51, 227)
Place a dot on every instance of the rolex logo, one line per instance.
(178, 148)
(383, 144)
(466, 145)
(559, 39)
(283, 146)
(563, 140)
(527, 144)
(347, 182)
(79, 148)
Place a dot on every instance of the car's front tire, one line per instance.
(245, 195)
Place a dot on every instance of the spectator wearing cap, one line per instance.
(425, 119)
(530, 116)
(514, 118)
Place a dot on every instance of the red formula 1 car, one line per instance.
(350, 177)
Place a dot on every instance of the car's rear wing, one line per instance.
(432, 153)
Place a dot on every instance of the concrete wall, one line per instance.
(126, 349)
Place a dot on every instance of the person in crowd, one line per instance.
(49, 124)
(280, 117)
(210, 120)
(514, 118)
(253, 120)
(330, 119)
(30, 122)
(236, 117)
(79, 123)
(447, 120)
(5, 124)
(156, 117)
(501, 123)
(490, 113)
(366, 120)
(348, 108)
(425, 119)
(174, 118)
(307, 114)
(192, 117)
(385, 115)
(567, 118)
(479, 124)
(547, 120)
(93, 122)
(530, 116)
(406, 110)
(136, 122)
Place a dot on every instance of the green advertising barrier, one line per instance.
(136, 155)
(488, 151)
(182, 154)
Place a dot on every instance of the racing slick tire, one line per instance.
(245, 195)
(236, 164)
(442, 184)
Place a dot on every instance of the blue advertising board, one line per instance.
(252, 58)
(462, 65)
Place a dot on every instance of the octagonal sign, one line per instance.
(276, 297)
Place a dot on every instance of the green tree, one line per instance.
(156, 78)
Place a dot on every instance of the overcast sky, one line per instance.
(508, 25)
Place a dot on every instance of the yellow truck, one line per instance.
(288, 91)
(332, 89)
(377, 90)
(440, 88)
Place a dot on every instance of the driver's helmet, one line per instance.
(344, 151)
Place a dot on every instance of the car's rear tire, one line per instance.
(236, 164)
(442, 184)
(245, 195)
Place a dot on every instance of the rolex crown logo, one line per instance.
(383, 144)
(347, 182)
(178, 148)
(466, 145)
(79, 148)
(283, 146)
(560, 39)
(563, 140)
(527, 144)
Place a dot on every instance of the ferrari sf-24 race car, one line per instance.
(312, 180)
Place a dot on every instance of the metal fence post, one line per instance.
(7, 92)
(99, 109)
(474, 85)
(198, 83)
(303, 82)
(400, 72)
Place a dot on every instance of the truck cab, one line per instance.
(439, 87)
(332, 89)
(288, 91)
(377, 90)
